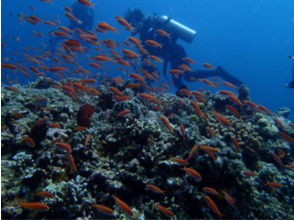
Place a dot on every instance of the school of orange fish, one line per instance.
(109, 51)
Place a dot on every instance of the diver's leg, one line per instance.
(178, 82)
(53, 42)
(290, 85)
(219, 71)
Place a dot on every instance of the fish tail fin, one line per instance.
(93, 5)
(182, 168)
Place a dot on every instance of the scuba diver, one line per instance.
(290, 85)
(170, 51)
(85, 19)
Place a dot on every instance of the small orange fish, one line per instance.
(286, 137)
(45, 193)
(153, 43)
(87, 139)
(213, 206)
(229, 84)
(210, 190)
(166, 123)
(229, 198)
(53, 125)
(72, 162)
(277, 158)
(179, 161)
(207, 65)
(164, 210)
(235, 100)
(264, 109)
(192, 173)
(211, 131)
(221, 119)
(104, 209)
(235, 142)
(29, 141)
(278, 123)
(206, 81)
(281, 153)
(274, 185)
(37, 206)
(123, 206)
(183, 131)
(41, 121)
(249, 173)
(123, 113)
(80, 128)
(63, 146)
(162, 33)
(193, 151)
(155, 189)
(189, 60)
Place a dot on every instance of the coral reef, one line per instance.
(124, 154)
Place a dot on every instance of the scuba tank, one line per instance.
(181, 31)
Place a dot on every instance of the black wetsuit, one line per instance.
(174, 54)
(83, 13)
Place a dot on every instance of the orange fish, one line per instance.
(183, 131)
(229, 84)
(235, 100)
(136, 77)
(208, 66)
(123, 206)
(104, 209)
(211, 131)
(189, 60)
(123, 113)
(29, 141)
(252, 106)
(164, 210)
(87, 139)
(213, 206)
(221, 119)
(53, 125)
(46, 194)
(193, 151)
(72, 162)
(264, 109)
(229, 198)
(209, 149)
(179, 161)
(274, 185)
(286, 137)
(277, 158)
(249, 173)
(235, 142)
(206, 81)
(63, 146)
(192, 173)
(41, 121)
(37, 206)
(162, 33)
(210, 190)
(165, 122)
(278, 123)
(11, 88)
(281, 153)
(153, 43)
(155, 189)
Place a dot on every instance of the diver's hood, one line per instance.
(181, 31)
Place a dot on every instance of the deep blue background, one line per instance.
(250, 39)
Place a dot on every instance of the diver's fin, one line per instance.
(227, 77)
(290, 85)
(164, 68)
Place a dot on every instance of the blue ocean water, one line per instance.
(249, 39)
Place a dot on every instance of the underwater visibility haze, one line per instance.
(147, 109)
